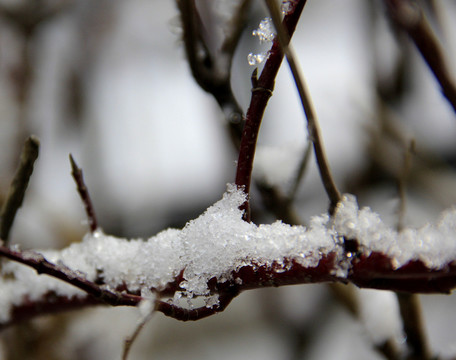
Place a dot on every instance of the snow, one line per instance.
(266, 34)
(433, 244)
(219, 242)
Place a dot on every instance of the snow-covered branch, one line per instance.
(218, 255)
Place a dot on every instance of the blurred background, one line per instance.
(108, 81)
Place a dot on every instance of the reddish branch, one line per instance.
(408, 16)
(366, 271)
(261, 92)
(42, 266)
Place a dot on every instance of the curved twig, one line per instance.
(312, 122)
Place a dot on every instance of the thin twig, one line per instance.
(303, 165)
(312, 122)
(402, 184)
(409, 304)
(408, 16)
(43, 266)
(346, 296)
(76, 172)
(261, 92)
(18, 186)
(212, 71)
(410, 309)
(132, 338)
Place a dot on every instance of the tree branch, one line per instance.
(76, 172)
(309, 111)
(261, 92)
(18, 186)
(410, 18)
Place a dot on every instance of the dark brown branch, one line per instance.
(261, 92)
(312, 122)
(18, 186)
(76, 172)
(409, 17)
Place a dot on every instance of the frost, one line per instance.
(265, 31)
(218, 243)
(256, 59)
(266, 34)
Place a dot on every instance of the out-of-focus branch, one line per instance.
(211, 71)
(312, 122)
(76, 172)
(410, 309)
(409, 304)
(346, 296)
(18, 186)
(408, 16)
(261, 92)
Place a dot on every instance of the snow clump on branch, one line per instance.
(219, 243)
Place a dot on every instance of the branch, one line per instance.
(312, 122)
(61, 272)
(410, 18)
(212, 72)
(175, 262)
(261, 92)
(18, 186)
(410, 309)
(76, 172)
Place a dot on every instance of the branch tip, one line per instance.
(76, 172)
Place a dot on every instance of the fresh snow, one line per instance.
(219, 242)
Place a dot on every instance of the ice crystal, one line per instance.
(266, 34)
(265, 31)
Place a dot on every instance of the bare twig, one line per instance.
(402, 184)
(18, 186)
(410, 309)
(312, 123)
(42, 266)
(261, 92)
(132, 338)
(409, 304)
(346, 296)
(76, 172)
(408, 16)
(301, 172)
(212, 71)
